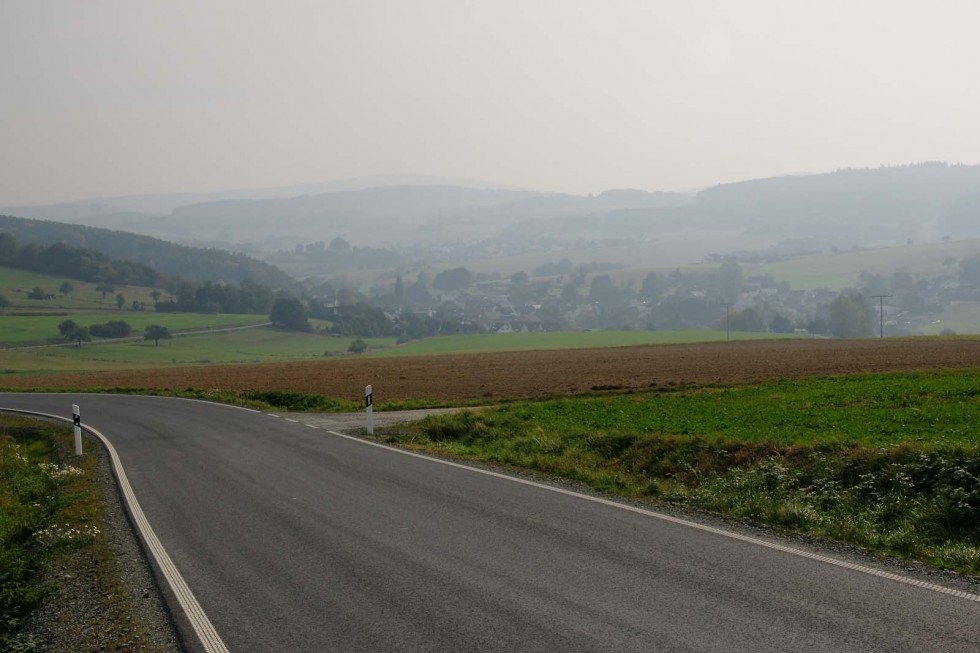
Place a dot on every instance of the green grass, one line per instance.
(47, 511)
(843, 270)
(889, 462)
(39, 328)
(258, 345)
(15, 284)
(560, 340)
(272, 345)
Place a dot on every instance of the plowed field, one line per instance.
(544, 373)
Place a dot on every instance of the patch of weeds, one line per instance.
(42, 516)
(918, 498)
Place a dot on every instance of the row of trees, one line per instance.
(72, 332)
(84, 264)
(209, 297)
(88, 265)
(846, 316)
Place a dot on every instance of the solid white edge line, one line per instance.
(124, 394)
(199, 621)
(682, 522)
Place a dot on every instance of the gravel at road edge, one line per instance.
(110, 603)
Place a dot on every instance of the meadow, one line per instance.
(262, 344)
(838, 271)
(15, 284)
(31, 329)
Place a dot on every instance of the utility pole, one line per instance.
(881, 313)
(728, 322)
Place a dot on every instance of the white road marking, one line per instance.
(294, 421)
(199, 621)
(271, 415)
(312, 426)
(683, 522)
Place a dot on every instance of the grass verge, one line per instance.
(279, 400)
(49, 510)
(887, 462)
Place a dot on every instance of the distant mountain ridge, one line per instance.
(165, 203)
(888, 205)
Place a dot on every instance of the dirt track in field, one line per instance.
(544, 373)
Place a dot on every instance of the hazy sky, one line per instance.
(111, 98)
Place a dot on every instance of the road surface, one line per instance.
(296, 539)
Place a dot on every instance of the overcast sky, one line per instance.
(103, 98)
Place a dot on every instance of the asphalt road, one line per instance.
(294, 539)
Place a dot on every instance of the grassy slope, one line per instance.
(888, 462)
(842, 270)
(15, 284)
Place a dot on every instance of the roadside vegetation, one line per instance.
(50, 511)
(887, 462)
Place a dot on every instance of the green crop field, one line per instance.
(246, 346)
(561, 340)
(888, 462)
(868, 411)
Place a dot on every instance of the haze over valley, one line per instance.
(707, 270)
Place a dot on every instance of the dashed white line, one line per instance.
(312, 426)
(294, 421)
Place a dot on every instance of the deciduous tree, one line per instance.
(289, 313)
(849, 317)
(156, 333)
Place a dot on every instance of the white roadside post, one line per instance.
(369, 402)
(76, 417)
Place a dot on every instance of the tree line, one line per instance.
(185, 295)
(164, 257)
(83, 264)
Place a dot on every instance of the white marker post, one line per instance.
(369, 402)
(76, 417)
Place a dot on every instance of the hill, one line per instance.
(166, 258)
(868, 207)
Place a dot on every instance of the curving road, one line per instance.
(296, 539)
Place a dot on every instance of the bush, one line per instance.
(111, 329)
(357, 347)
(292, 400)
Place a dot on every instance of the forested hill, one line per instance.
(192, 263)
(888, 204)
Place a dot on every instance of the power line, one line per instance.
(881, 313)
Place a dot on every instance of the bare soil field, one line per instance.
(544, 373)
